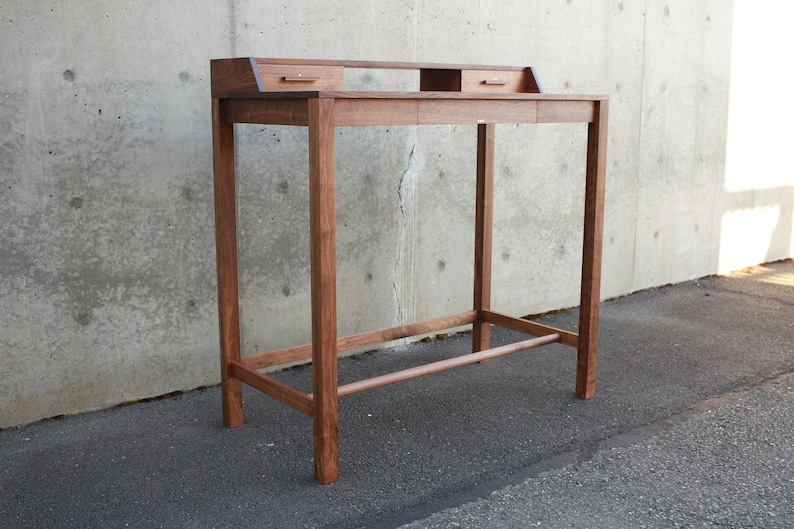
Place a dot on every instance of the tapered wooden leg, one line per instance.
(226, 256)
(323, 281)
(591, 258)
(483, 235)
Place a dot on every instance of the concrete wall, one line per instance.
(107, 282)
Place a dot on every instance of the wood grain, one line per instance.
(278, 357)
(443, 365)
(327, 77)
(485, 81)
(530, 327)
(566, 111)
(234, 75)
(270, 111)
(311, 94)
(440, 112)
(455, 96)
(533, 83)
(483, 235)
(356, 341)
(592, 248)
(350, 112)
(269, 386)
(322, 222)
(226, 262)
(405, 331)
(439, 80)
(384, 65)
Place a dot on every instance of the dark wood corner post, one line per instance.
(483, 235)
(591, 258)
(226, 255)
(322, 205)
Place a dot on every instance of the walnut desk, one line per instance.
(311, 94)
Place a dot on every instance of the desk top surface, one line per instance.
(379, 65)
(349, 94)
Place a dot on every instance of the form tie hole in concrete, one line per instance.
(286, 291)
(68, 76)
(76, 203)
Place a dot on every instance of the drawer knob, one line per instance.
(300, 78)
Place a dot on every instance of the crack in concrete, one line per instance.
(402, 180)
(401, 236)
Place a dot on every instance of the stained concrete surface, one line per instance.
(416, 448)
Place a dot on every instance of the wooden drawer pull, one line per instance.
(300, 78)
(494, 82)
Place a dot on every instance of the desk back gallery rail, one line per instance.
(312, 94)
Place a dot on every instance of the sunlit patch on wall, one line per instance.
(746, 236)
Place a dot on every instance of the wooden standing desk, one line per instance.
(311, 94)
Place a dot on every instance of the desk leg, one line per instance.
(483, 235)
(226, 255)
(591, 258)
(322, 213)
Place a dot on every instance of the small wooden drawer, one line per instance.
(494, 81)
(297, 77)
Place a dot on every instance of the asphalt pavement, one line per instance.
(691, 426)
